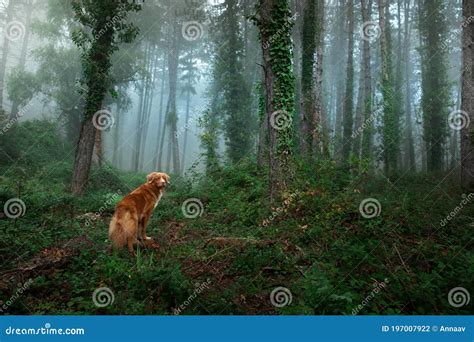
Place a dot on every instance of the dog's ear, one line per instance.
(151, 177)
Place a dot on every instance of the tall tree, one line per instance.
(391, 120)
(366, 10)
(435, 86)
(348, 119)
(29, 7)
(467, 104)
(6, 47)
(235, 89)
(308, 54)
(274, 22)
(409, 141)
(97, 46)
(320, 134)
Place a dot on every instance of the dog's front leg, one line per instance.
(144, 224)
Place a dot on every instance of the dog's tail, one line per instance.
(120, 228)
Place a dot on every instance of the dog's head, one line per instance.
(160, 179)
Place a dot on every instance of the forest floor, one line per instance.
(314, 248)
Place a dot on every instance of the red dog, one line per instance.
(133, 212)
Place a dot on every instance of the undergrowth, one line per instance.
(313, 241)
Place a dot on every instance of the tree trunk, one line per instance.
(98, 63)
(308, 50)
(368, 125)
(410, 144)
(117, 132)
(161, 119)
(279, 90)
(83, 158)
(349, 92)
(5, 52)
(467, 98)
(24, 48)
(186, 128)
(149, 104)
(320, 122)
(172, 115)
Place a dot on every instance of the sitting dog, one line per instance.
(128, 225)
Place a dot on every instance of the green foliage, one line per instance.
(106, 28)
(317, 244)
(230, 84)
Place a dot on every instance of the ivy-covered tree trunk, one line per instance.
(467, 98)
(274, 22)
(97, 51)
(348, 119)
